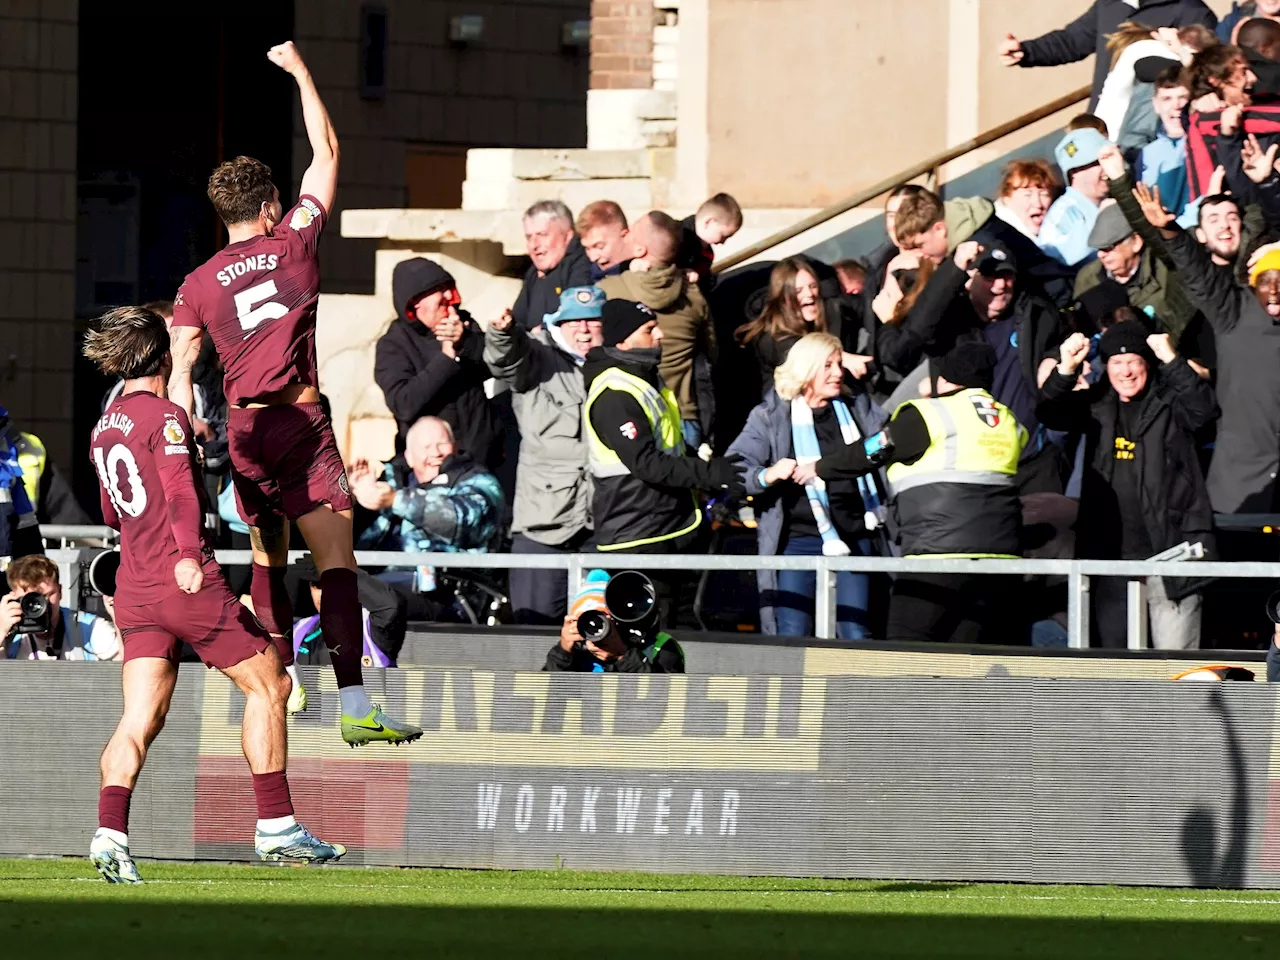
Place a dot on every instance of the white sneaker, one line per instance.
(112, 860)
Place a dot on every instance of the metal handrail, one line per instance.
(902, 176)
(1076, 572)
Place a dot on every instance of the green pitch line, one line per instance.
(60, 909)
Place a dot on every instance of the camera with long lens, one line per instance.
(632, 600)
(632, 603)
(37, 615)
(594, 625)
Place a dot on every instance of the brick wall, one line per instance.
(38, 66)
(621, 44)
(516, 87)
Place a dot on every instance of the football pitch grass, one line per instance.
(59, 908)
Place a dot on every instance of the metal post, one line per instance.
(575, 575)
(1077, 609)
(824, 611)
(1136, 614)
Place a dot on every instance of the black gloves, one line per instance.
(727, 475)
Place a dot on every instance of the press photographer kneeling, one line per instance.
(613, 627)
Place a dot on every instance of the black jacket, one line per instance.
(944, 316)
(1246, 457)
(656, 498)
(541, 295)
(418, 380)
(668, 659)
(1175, 503)
(1087, 34)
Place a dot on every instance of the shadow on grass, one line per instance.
(243, 931)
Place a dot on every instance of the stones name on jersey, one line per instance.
(263, 261)
(113, 421)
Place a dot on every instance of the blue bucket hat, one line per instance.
(577, 303)
(1077, 149)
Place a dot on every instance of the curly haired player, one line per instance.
(257, 299)
(170, 589)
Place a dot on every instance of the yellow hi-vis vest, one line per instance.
(959, 498)
(31, 458)
(662, 412)
(660, 409)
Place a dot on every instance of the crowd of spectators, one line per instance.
(1111, 315)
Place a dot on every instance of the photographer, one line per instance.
(626, 641)
(62, 633)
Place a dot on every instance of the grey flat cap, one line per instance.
(1110, 228)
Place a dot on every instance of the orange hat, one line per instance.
(591, 596)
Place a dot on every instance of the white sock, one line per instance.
(355, 702)
(292, 671)
(115, 835)
(276, 824)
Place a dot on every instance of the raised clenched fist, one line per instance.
(1073, 352)
(286, 57)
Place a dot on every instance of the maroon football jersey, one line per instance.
(143, 453)
(257, 299)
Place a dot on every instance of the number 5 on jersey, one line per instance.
(249, 315)
(136, 501)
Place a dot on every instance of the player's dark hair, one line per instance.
(238, 188)
(162, 307)
(129, 342)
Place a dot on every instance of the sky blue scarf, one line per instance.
(805, 439)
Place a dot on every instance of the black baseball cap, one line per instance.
(997, 259)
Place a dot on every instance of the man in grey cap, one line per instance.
(1152, 286)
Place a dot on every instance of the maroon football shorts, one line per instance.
(219, 627)
(285, 462)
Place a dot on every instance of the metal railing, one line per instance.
(1077, 572)
(928, 167)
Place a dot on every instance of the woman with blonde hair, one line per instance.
(806, 416)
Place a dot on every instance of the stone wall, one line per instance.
(38, 68)
(517, 86)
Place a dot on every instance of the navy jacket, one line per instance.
(764, 441)
(1088, 34)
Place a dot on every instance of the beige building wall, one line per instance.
(518, 86)
(38, 66)
(806, 101)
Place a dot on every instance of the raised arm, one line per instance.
(184, 347)
(1073, 42)
(321, 178)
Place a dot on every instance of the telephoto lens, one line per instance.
(632, 601)
(594, 625)
(37, 617)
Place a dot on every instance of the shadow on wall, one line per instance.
(1207, 867)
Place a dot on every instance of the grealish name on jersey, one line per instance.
(263, 261)
(113, 421)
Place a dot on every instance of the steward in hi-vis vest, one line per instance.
(951, 463)
(643, 498)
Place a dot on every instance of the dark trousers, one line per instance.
(542, 596)
(951, 607)
(675, 588)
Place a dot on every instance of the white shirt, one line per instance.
(1117, 91)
